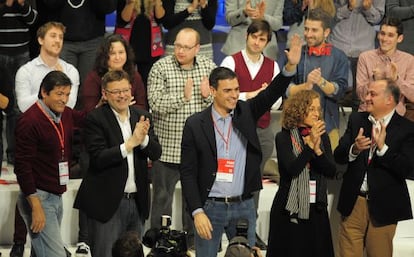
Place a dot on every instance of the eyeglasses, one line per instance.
(184, 48)
(118, 91)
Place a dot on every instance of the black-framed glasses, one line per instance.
(118, 91)
(184, 48)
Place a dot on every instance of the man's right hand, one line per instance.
(188, 89)
(203, 225)
(361, 142)
(38, 215)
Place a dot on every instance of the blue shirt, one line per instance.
(237, 151)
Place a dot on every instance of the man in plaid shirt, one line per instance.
(177, 88)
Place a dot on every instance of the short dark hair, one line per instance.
(128, 245)
(114, 75)
(260, 25)
(220, 73)
(393, 22)
(318, 14)
(393, 89)
(52, 80)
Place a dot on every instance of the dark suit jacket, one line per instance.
(389, 201)
(103, 187)
(199, 152)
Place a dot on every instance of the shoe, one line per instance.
(82, 250)
(17, 250)
(260, 244)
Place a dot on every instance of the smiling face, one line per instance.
(388, 39)
(379, 102)
(314, 33)
(225, 96)
(51, 44)
(57, 98)
(313, 113)
(117, 56)
(118, 95)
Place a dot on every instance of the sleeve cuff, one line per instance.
(145, 142)
(124, 151)
(383, 150)
(196, 211)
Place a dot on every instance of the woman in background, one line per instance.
(113, 54)
(144, 19)
(299, 222)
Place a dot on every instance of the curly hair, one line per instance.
(102, 56)
(296, 108)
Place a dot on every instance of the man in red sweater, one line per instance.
(43, 150)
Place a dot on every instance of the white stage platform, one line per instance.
(403, 241)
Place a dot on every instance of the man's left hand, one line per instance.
(203, 225)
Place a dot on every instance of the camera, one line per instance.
(239, 245)
(165, 242)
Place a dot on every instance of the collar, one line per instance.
(216, 116)
(324, 50)
(39, 62)
(248, 61)
(386, 119)
(55, 117)
(118, 116)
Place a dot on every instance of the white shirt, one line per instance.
(125, 126)
(30, 76)
(253, 68)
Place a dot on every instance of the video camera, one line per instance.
(165, 242)
(239, 245)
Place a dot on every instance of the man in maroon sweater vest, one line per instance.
(43, 149)
(254, 72)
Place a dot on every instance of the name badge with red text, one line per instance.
(312, 191)
(225, 170)
(63, 173)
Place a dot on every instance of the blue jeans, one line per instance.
(103, 235)
(224, 217)
(49, 241)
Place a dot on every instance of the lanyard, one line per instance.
(222, 134)
(60, 132)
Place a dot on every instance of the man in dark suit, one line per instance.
(378, 146)
(220, 156)
(115, 192)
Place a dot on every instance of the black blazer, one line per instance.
(199, 152)
(103, 187)
(389, 201)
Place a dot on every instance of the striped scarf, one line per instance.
(298, 198)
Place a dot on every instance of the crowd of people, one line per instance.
(137, 107)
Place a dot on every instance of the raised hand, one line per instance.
(314, 77)
(141, 129)
(361, 142)
(188, 89)
(294, 53)
(367, 4)
(205, 87)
